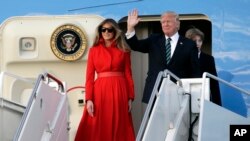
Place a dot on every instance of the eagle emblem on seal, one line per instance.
(68, 42)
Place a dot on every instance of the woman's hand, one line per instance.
(90, 108)
(129, 105)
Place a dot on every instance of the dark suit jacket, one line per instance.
(184, 62)
(208, 65)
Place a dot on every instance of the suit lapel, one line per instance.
(177, 48)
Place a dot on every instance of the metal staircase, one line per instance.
(182, 110)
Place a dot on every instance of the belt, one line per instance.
(110, 73)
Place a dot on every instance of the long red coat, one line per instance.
(112, 121)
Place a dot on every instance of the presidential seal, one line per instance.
(68, 42)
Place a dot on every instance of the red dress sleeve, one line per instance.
(90, 75)
(128, 75)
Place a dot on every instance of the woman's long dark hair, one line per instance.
(119, 38)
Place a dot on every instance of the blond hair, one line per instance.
(192, 32)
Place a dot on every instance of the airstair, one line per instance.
(44, 117)
(182, 111)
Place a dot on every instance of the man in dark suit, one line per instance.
(183, 52)
(207, 63)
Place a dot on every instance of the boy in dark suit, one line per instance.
(207, 63)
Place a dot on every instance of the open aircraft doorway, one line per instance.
(151, 24)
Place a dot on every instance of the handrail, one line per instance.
(168, 73)
(32, 97)
(150, 103)
(161, 74)
(56, 80)
(41, 77)
(206, 74)
(76, 87)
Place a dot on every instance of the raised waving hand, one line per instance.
(133, 20)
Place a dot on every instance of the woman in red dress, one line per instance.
(109, 88)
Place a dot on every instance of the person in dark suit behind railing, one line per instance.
(207, 63)
(184, 60)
